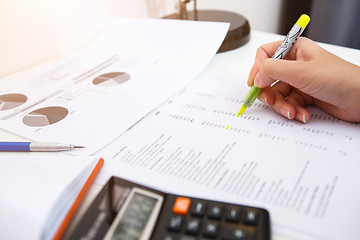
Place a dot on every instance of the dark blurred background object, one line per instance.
(332, 21)
(239, 30)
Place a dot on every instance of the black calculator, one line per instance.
(125, 210)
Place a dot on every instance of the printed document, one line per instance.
(304, 174)
(98, 93)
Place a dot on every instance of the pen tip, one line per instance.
(242, 109)
(79, 146)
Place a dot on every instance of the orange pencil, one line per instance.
(78, 200)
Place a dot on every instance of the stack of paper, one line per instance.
(37, 191)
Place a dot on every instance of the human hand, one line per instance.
(309, 75)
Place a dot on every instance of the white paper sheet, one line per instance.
(304, 174)
(101, 91)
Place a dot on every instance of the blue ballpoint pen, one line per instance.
(35, 147)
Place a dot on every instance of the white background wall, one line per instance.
(35, 31)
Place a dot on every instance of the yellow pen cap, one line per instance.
(303, 21)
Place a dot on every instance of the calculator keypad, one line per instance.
(185, 218)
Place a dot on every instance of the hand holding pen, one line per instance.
(309, 75)
(280, 53)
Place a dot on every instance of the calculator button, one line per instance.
(175, 223)
(236, 232)
(233, 214)
(181, 205)
(250, 217)
(211, 230)
(192, 226)
(215, 212)
(198, 209)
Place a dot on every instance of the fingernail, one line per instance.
(285, 113)
(301, 117)
(304, 119)
(263, 99)
(257, 80)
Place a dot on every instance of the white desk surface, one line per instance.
(235, 62)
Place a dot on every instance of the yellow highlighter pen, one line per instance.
(280, 53)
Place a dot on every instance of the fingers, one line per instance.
(298, 102)
(288, 96)
(267, 70)
(288, 71)
(286, 102)
(264, 52)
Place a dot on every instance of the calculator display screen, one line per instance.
(135, 218)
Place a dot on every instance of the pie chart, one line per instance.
(45, 116)
(12, 100)
(111, 79)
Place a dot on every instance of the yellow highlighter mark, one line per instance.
(227, 127)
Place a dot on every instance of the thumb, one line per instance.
(288, 71)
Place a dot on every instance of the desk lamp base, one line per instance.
(239, 30)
